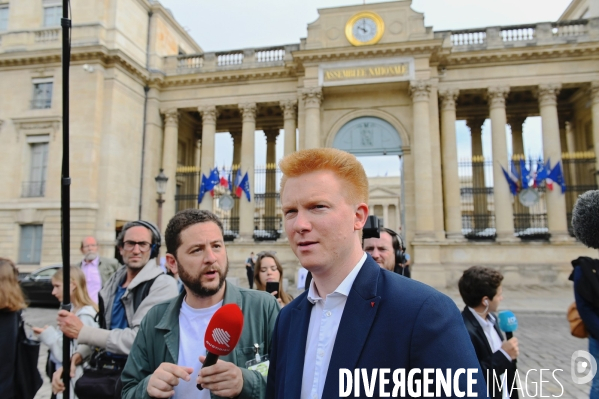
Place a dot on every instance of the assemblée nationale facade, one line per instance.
(369, 79)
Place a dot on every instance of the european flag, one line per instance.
(214, 178)
(204, 188)
(245, 186)
(557, 176)
(524, 173)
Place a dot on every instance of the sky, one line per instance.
(218, 25)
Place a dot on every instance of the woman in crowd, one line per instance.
(268, 269)
(83, 307)
(11, 303)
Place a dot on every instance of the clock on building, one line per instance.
(364, 28)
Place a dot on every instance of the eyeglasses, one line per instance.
(143, 245)
(89, 246)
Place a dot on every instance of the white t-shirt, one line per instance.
(192, 328)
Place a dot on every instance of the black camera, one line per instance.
(372, 228)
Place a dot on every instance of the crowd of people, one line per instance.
(136, 321)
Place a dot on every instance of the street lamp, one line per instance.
(161, 180)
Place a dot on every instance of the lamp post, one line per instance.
(161, 180)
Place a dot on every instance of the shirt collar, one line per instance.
(489, 322)
(345, 285)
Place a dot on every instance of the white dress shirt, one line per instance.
(495, 343)
(322, 331)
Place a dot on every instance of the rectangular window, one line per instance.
(3, 17)
(36, 186)
(30, 248)
(42, 94)
(52, 15)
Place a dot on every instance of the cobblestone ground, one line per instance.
(545, 343)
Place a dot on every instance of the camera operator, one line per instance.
(385, 246)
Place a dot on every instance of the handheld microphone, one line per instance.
(508, 323)
(222, 334)
(585, 219)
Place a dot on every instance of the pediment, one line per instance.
(401, 24)
(376, 192)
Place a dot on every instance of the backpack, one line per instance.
(577, 327)
(139, 294)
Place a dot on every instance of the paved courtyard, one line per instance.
(545, 340)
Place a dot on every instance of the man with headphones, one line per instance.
(125, 299)
(481, 291)
(388, 251)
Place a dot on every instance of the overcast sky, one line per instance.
(234, 24)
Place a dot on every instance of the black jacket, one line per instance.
(488, 360)
(9, 325)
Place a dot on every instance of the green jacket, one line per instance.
(157, 341)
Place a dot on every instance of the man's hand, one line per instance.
(222, 379)
(38, 330)
(166, 378)
(511, 347)
(57, 383)
(69, 324)
(76, 360)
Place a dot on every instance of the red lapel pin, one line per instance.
(372, 304)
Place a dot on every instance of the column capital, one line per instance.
(271, 134)
(420, 90)
(516, 122)
(497, 95)
(209, 113)
(248, 111)
(171, 117)
(547, 93)
(594, 91)
(312, 97)
(448, 98)
(288, 107)
(475, 124)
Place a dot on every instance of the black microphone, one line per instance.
(585, 219)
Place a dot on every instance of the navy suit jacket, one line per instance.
(389, 321)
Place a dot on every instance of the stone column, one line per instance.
(502, 198)
(312, 98)
(435, 132)
(197, 163)
(289, 115)
(451, 180)
(556, 201)
(236, 135)
(595, 118)
(479, 187)
(387, 222)
(169, 162)
(271, 180)
(423, 170)
(246, 208)
(209, 114)
(516, 123)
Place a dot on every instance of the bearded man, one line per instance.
(170, 339)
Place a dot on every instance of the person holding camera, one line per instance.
(387, 250)
(269, 273)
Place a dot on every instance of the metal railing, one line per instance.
(579, 175)
(31, 189)
(477, 200)
(530, 222)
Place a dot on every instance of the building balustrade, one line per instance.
(545, 33)
(235, 59)
(50, 38)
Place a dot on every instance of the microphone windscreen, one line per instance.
(585, 219)
(507, 321)
(224, 330)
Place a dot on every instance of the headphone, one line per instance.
(397, 246)
(156, 239)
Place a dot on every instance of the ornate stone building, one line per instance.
(370, 79)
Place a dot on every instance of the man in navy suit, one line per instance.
(355, 315)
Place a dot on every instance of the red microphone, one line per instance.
(222, 334)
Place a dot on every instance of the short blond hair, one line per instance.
(343, 164)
